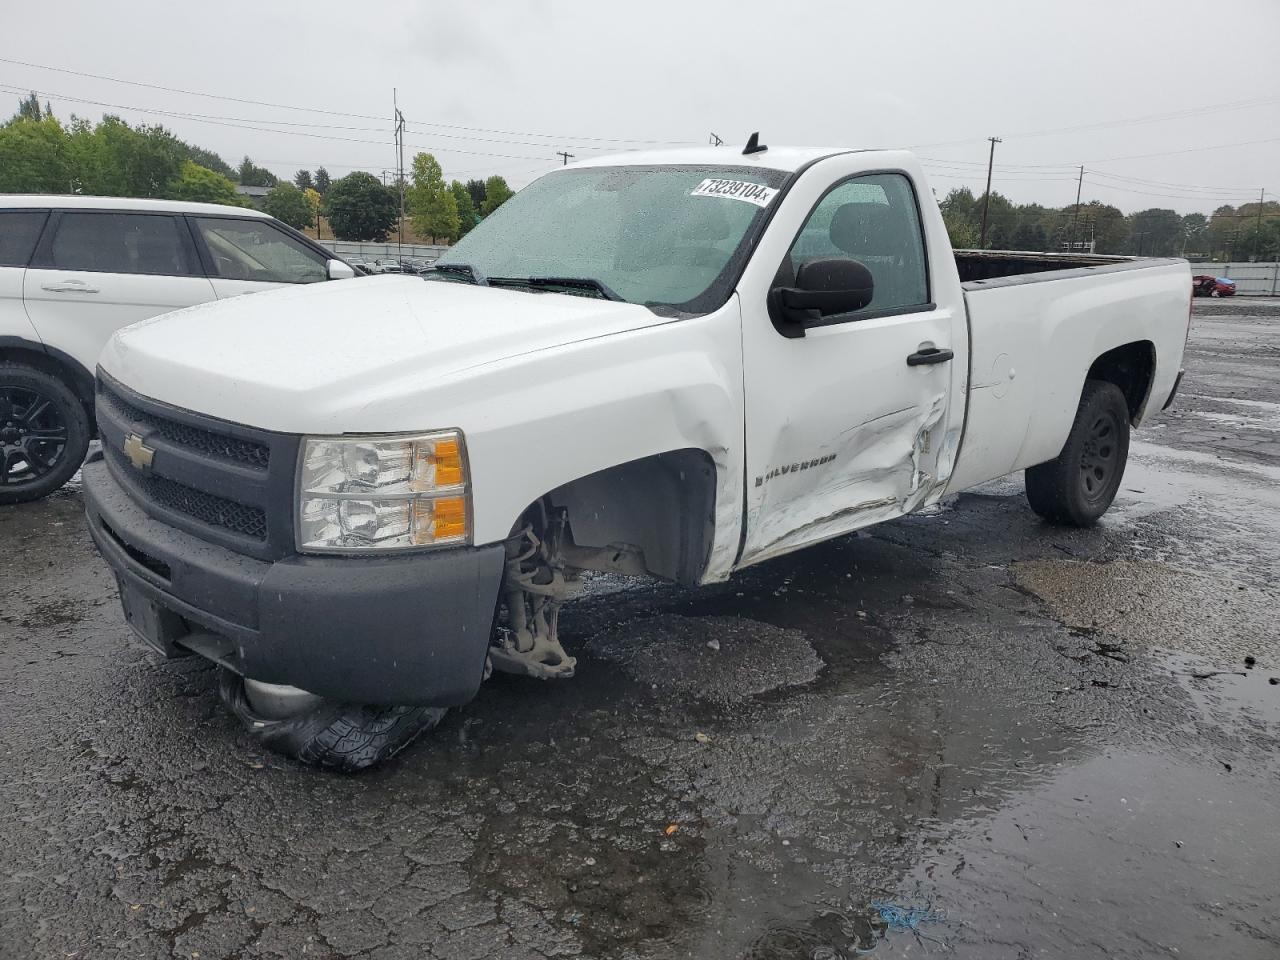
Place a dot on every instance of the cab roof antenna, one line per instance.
(754, 145)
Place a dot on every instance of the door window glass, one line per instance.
(872, 219)
(19, 231)
(256, 250)
(120, 243)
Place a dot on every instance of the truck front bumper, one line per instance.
(406, 629)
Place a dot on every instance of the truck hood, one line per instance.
(311, 359)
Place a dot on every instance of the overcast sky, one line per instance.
(936, 75)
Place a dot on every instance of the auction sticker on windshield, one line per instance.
(755, 193)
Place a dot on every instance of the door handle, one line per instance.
(929, 355)
(68, 286)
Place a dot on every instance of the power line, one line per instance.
(332, 113)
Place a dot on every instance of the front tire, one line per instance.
(44, 433)
(1077, 487)
(337, 736)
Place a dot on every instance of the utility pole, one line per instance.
(1257, 230)
(715, 141)
(1075, 217)
(399, 170)
(567, 157)
(986, 198)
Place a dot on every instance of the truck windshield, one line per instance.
(666, 237)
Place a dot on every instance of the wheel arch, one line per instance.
(664, 504)
(54, 362)
(1131, 367)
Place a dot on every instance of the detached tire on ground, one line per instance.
(44, 433)
(1077, 488)
(337, 736)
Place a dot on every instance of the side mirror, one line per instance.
(824, 287)
(340, 271)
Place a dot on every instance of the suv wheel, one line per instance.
(44, 433)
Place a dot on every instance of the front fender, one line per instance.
(541, 421)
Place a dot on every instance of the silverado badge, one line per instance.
(139, 454)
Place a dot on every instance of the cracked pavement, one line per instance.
(1047, 740)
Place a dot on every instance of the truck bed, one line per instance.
(1033, 339)
(984, 265)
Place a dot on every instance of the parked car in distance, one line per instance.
(708, 360)
(1204, 285)
(74, 270)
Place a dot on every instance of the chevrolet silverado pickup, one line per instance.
(359, 498)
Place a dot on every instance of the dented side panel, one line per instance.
(841, 431)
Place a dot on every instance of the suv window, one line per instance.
(257, 250)
(120, 243)
(19, 231)
(872, 219)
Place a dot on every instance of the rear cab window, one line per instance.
(258, 250)
(134, 243)
(19, 231)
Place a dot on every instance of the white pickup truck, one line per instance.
(359, 498)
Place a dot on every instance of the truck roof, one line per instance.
(789, 159)
(68, 201)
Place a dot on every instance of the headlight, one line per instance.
(383, 493)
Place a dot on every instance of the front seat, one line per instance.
(875, 234)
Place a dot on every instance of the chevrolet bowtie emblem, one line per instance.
(139, 454)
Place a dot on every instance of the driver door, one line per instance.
(843, 429)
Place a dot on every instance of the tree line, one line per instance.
(1228, 233)
(111, 158)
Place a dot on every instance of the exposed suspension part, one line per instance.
(536, 582)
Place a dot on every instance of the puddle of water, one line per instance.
(1092, 862)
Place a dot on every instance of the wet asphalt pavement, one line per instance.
(964, 733)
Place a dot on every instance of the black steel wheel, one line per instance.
(44, 433)
(1077, 487)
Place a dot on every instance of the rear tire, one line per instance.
(44, 433)
(1077, 487)
(337, 736)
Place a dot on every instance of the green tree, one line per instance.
(113, 159)
(1156, 232)
(29, 108)
(322, 181)
(496, 193)
(430, 203)
(476, 189)
(359, 207)
(34, 157)
(1195, 234)
(203, 185)
(289, 205)
(209, 160)
(466, 209)
(302, 180)
(252, 175)
(958, 208)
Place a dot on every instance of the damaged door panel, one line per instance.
(843, 430)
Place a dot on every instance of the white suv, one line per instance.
(73, 270)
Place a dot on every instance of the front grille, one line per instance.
(227, 483)
(205, 507)
(248, 452)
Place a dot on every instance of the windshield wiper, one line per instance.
(567, 283)
(464, 270)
